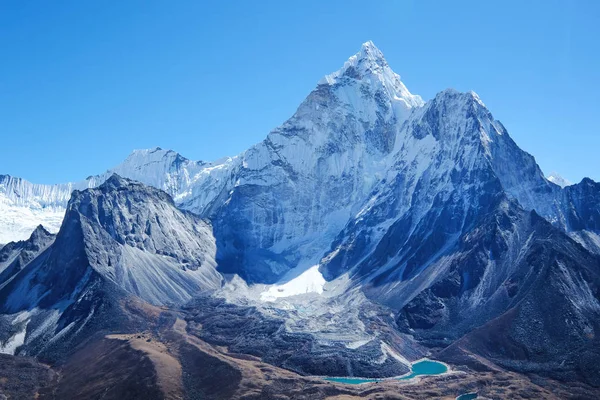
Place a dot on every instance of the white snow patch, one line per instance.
(388, 351)
(18, 339)
(558, 180)
(310, 281)
(357, 344)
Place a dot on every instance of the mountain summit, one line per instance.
(370, 67)
(555, 178)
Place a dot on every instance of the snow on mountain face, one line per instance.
(370, 66)
(558, 180)
(24, 205)
(160, 168)
(454, 162)
(442, 177)
(23, 193)
(295, 190)
(191, 183)
(310, 281)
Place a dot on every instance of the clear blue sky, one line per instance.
(82, 83)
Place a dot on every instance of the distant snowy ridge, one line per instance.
(558, 180)
(25, 205)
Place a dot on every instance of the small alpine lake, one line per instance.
(422, 367)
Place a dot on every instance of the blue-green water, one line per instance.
(425, 367)
(467, 396)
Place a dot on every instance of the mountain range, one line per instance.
(370, 230)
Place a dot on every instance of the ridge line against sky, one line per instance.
(82, 84)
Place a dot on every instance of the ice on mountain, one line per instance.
(310, 281)
(555, 178)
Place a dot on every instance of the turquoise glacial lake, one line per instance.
(425, 367)
(467, 396)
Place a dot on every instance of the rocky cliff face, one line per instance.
(136, 237)
(519, 292)
(15, 255)
(118, 241)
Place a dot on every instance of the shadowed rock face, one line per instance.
(15, 255)
(583, 206)
(519, 292)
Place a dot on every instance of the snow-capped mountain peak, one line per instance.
(165, 169)
(558, 180)
(370, 67)
(368, 58)
(368, 61)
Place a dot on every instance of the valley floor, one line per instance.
(167, 361)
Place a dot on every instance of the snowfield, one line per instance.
(310, 281)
